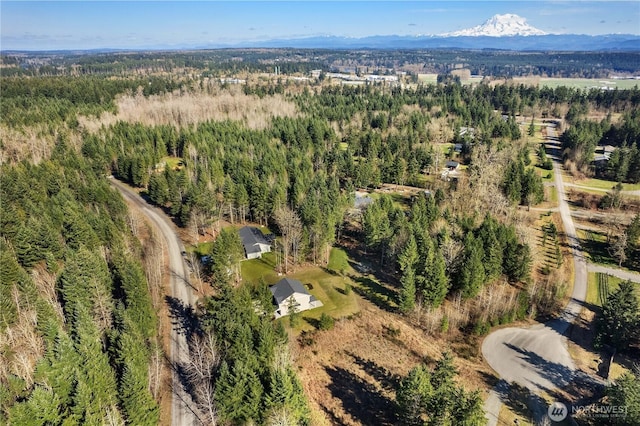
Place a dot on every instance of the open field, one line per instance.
(606, 184)
(580, 83)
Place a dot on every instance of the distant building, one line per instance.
(289, 293)
(254, 241)
(452, 165)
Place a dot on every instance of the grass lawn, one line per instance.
(173, 162)
(547, 175)
(428, 78)
(552, 195)
(264, 268)
(597, 287)
(327, 285)
(596, 247)
(607, 184)
(445, 148)
(401, 200)
(329, 288)
(202, 249)
(338, 260)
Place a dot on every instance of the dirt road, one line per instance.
(537, 357)
(181, 411)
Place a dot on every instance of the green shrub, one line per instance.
(326, 322)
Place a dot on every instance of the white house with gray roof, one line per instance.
(254, 241)
(289, 293)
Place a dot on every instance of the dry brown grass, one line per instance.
(183, 109)
(350, 373)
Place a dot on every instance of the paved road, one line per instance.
(620, 273)
(181, 413)
(537, 357)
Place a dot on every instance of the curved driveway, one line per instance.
(537, 357)
(620, 273)
(182, 412)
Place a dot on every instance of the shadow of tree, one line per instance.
(558, 374)
(516, 398)
(184, 318)
(360, 399)
(387, 379)
(379, 295)
(314, 322)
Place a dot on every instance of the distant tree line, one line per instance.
(440, 61)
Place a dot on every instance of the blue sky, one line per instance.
(49, 25)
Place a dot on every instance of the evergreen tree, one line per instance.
(95, 395)
(625, 392)
(436, 283)
(42, 408)
(472, 274)
(408, 290)
(413, 396)
(619, 322)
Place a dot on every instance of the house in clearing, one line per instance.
(452, 165)
(450, 171)
(254, 241)
(289, 293)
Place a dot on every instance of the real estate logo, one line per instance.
(557, 411)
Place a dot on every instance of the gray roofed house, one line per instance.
(452, 165)
(289, 292)
(254, 241)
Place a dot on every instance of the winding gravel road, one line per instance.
(182, 412)
(537, 357)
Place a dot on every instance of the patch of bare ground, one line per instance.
(350, 373)
(183, 109)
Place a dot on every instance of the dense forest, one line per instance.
(78, 325)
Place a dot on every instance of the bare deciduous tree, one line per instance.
(619, 248)
(291, 229)
(204, 358)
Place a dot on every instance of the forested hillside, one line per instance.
(80, 340)
(78, 329)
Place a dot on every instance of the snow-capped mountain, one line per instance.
(499, 26)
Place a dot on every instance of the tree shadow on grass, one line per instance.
(360, 399)
(379, 295)
(387, 379)
(314, 322)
